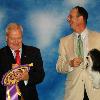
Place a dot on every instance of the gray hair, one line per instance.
(13, 26)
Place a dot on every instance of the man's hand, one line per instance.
(20, 75)
(14, 66)
(24, 75)
(76, 62)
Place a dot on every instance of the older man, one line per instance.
(27, 54)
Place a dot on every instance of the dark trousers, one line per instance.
(85, 95)
(19, 97)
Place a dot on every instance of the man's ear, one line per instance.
(81, 18)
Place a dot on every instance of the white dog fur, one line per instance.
(94, 57)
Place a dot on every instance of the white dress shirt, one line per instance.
(14, 54)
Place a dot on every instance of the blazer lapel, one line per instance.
(91, 43)
(24, 55)
(10, 55)
(71, 49)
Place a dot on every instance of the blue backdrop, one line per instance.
(44, 23)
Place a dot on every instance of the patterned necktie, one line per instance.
(17, 57)
(79, 51)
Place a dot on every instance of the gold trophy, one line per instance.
(10, 78)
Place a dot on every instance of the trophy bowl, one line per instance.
(12, 76)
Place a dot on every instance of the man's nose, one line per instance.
(16, 41)
(68, 18)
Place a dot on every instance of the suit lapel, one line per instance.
(10, 55)
(90, 40)
(71, 50)
(24, 55)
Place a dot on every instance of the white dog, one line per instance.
(93, 66)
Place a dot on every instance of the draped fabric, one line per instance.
(13, 90)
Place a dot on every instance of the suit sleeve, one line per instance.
(36, 73)
(62, 65)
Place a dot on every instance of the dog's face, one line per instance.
(93, 59)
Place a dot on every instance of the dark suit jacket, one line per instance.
(36, 74)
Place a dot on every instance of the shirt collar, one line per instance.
(83, 34)
(13, 51)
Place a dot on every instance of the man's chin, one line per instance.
(14, 48)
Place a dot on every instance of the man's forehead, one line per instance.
(74, 10)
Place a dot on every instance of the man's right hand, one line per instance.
(14, 66)
(76, 62)
(18, 73)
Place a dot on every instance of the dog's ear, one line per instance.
(95, 56)
(94, 53)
